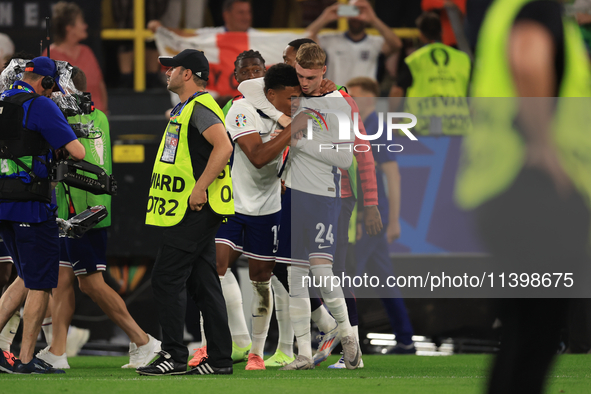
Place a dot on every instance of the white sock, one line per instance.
(9, 331)
(262, 308)
(203, 339)
(333, 297)
(285, 342)
(299, 309)
(47, 329)
(323, 319)
(236, 320)
(356, 332)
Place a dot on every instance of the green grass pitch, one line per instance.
(456, 374)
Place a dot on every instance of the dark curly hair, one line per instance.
(250, 54)
(281, 75)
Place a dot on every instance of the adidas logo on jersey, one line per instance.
(24, 225)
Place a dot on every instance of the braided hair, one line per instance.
(250, 54)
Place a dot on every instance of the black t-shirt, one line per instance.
(404, 79)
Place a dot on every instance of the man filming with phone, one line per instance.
(353, 53)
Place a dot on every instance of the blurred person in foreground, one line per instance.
(529, 181)
(69, 29)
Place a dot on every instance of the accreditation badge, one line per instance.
(171, 143)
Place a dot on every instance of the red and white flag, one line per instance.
(221, 50)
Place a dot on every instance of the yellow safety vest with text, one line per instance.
(495, 152)
(440, 77)
(172, 178)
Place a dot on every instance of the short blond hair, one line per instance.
(368, 85)
(311, 56)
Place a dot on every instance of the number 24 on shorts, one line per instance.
(320, 238)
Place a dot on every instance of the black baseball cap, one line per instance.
(191, 59)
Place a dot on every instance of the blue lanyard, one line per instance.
(183, 107)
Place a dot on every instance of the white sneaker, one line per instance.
(351, 351)
(341, 364)
(77, 337)
(328, 342)
(57, 362)
(141, 356)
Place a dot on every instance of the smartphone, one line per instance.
(348, 11)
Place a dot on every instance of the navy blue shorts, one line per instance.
(254, 236)
(314, 226)
(283, 254)
(5, 257)
(34, 247)
(340, 257)
(87, 254)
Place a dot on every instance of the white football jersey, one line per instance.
(347, 59)
(257, 192)
(311, 170)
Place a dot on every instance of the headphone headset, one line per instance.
(47, 82)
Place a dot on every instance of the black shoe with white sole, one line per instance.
(204, 368)
(163, 365)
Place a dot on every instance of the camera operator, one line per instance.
(27, 216)
(86, 257)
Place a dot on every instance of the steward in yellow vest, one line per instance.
(495, 154)
(436, 83)
(190, 192)
(526, 170)
(174, 175)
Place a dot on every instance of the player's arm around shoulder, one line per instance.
(222, 150)
(243, 128)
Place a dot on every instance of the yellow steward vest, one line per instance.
(172, 178)
(440, 76)
(494, 153)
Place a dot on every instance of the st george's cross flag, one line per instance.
(221, 49)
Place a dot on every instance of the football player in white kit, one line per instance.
(257, 195)
(315, 182)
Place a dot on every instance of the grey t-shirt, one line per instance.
(203, 118)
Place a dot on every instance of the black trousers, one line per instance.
(530, 228)
(186, 261)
